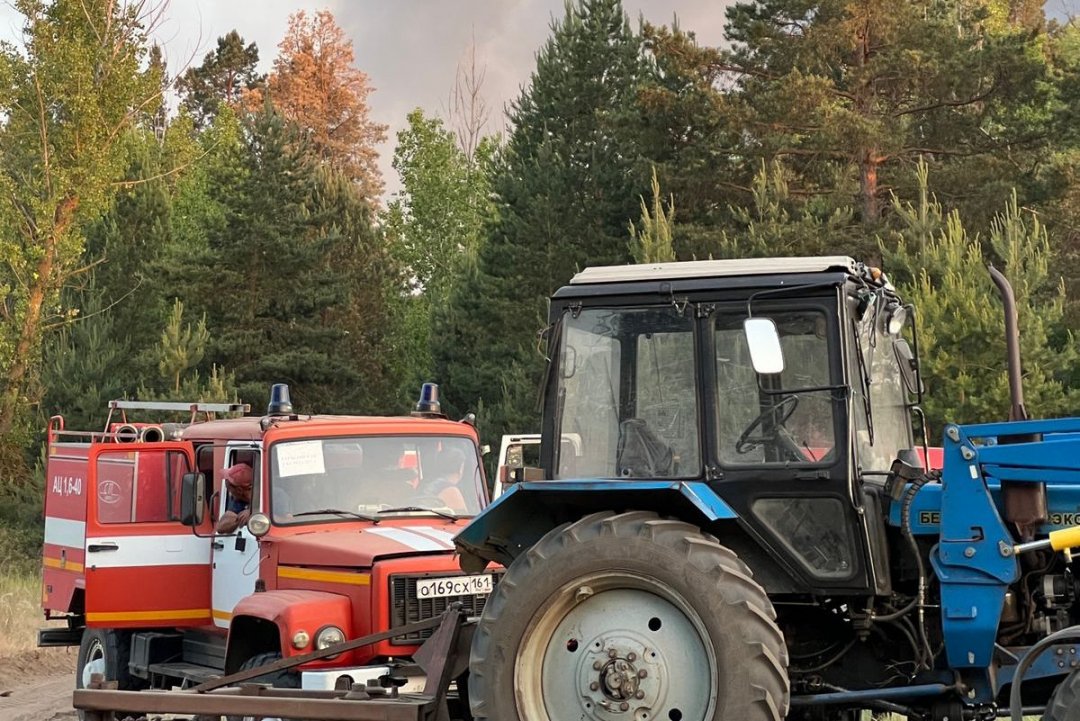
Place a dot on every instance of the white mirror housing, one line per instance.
(763, 340)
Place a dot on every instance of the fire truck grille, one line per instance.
(406, 607)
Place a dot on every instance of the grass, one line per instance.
(20, 611)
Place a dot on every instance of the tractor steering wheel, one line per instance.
(781, 412)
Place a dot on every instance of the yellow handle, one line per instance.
(1065, 538)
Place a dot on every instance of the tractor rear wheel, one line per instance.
(1065, 703)
(628, 616)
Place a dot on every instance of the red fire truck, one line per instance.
(350, 533)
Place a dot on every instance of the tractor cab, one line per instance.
(784, 384)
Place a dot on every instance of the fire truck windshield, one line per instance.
(330, 479)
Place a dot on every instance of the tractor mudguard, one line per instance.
(522, 515)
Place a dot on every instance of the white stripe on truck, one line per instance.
(410, 540)
(133, 551)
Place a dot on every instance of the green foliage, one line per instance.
(567, 185)
(78, 81)
(225, 74)
(435, 224)
(181, 347)
(653, 243)
(298, 276)
(940, 267)
(851, 93)
(82, 364)
(776, 225)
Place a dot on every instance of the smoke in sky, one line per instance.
(411, 48)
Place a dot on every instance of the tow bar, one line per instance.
(442, 658)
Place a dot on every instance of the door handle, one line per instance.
(218, 545)
(98, 547)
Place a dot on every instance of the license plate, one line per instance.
(454, 586)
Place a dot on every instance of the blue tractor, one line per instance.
(740, 523)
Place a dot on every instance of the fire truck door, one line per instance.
(143, 567)
(236, 556)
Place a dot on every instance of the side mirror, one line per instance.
(909, 367)
(763, 340)
(192, 499)
(515, 456)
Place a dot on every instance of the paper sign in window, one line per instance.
(300, 458)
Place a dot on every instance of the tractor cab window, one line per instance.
(627, 394)
(775, 418)
(882, 425)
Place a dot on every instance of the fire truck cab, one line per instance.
(350, 532)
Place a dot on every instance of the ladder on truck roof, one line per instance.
(179, 406)
(173, 407)
(56, 423)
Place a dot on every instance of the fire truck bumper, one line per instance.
(343, 678)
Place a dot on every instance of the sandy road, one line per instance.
(47, 698)
(36, 685)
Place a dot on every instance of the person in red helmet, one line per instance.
(238, 480)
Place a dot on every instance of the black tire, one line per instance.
(278, 679)
(637, 557)
(106, 651)
(1065, 703)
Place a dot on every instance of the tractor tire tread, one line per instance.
(767, 655)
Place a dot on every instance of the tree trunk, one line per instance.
(30, 334)
(868, 187)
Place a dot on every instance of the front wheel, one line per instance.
(105, 651)
(288, 678)
(628, 616)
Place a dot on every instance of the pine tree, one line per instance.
(653, 242)
(297, 273)
(777, 225)
(182, 346)
(567, 184)
(940, 267)
(850, 94)
(226, 74)
(315, 84)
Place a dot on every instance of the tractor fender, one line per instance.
(267, 621)
(527, 511)
(524, 514)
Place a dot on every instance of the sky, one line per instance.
(411, 48)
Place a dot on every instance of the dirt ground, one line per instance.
(36, 685)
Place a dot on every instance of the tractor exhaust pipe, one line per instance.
(1025, 502)
(1017, 411)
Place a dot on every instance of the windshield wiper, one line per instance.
(425, 509)
(337, 512)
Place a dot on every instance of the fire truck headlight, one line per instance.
(300, 640)
(328, 636)
(258, 525)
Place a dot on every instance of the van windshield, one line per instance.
(367, 476)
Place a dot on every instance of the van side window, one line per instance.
(139, 487)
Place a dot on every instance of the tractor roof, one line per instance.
(741, 276)
(714, 269)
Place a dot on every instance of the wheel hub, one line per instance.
(620, 654)
(619, 679)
